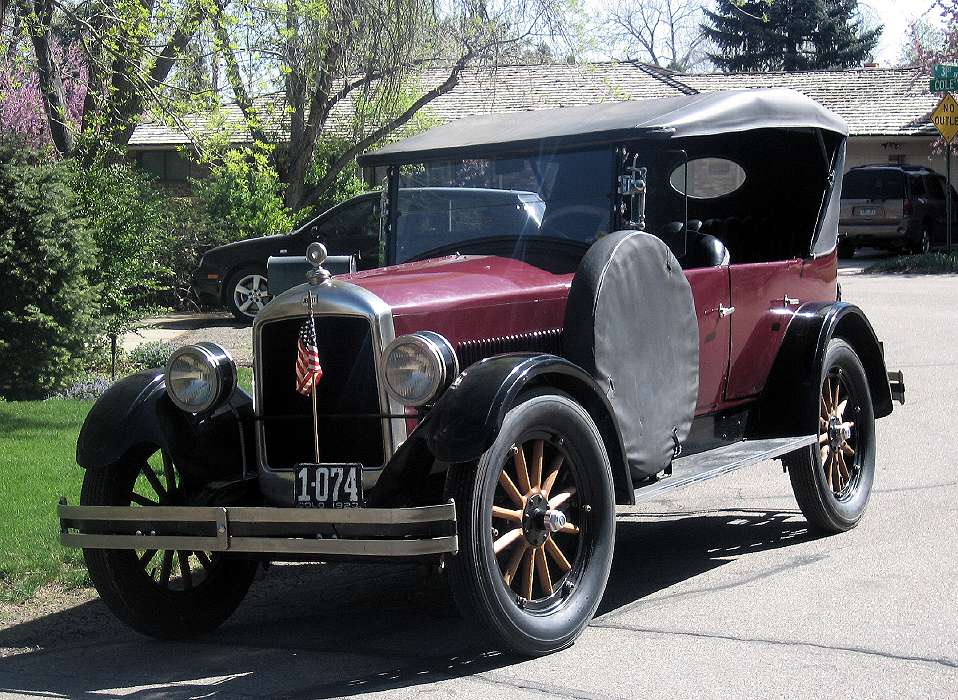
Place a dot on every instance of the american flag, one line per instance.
(308, 369)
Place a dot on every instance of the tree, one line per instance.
(129, 48)
(379, 60)
(789, 35)
(666, 33)
(926, 48)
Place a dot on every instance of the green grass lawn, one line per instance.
(37, 466)
(928, 264)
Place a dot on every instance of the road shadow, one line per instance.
(192, 322)
(342, 629)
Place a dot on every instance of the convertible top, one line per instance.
(691, 115)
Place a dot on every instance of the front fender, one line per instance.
(135, 415)
(466, 420)
(789, 405)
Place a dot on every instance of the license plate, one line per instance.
(329, 486)
(867, 211)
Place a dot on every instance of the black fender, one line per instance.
(136, 413)
(789, 404)
(467, 418)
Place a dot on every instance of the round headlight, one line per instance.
(200, 377)
(419, 366)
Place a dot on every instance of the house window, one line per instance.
(171, 166)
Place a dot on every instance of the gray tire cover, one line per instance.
(630, 322)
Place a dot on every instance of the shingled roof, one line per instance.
(873, 101)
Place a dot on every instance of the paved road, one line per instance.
(716, 591)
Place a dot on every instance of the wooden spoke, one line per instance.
(146, 557)
(838, 386)
(166, 568)
(823, 439)
(560, 498)
(204, 560)
(514, 516)
(513, 566)
(569, 527)
(842, 469)
(522, 471)
(154, 480)
(550, 480)
(503, 543)
(552, 549)
(510, 488)
(185, 572)
(168, 472)
(527, 565)
(841, 409)
(847, 450)
(828, 471)
(824, 414)
(825, 450)
(142, 500)
(537, 448)
(542, 571)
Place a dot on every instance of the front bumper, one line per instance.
(362, 533)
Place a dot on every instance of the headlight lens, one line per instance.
(200, 377)
(418, 366)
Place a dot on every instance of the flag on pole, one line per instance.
(308, 369)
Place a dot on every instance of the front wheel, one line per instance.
(247, 292)
(168, 594)
(537, 526)
(922, 244)
(832, 480)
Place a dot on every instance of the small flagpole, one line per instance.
(313, 392)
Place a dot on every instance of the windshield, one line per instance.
(443, 205)
(873, 184)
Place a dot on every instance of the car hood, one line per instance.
(248, 246)
(469, 296)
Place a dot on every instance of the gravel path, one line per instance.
(183, 329)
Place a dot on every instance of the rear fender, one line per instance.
(467, 418)
(789, 405)
(135, 415)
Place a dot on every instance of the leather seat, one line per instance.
(704, 250)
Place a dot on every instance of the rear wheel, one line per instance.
(832, 480)
(247, 292)
(536, 527)
(165, 594)
(922, 244)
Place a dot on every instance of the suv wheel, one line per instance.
(247, 292)
(536, 527)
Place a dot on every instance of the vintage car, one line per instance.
(489, 397)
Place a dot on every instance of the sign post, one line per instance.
(945, 119)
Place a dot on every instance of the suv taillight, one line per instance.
(908, 207)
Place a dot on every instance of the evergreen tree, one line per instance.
(789, 35)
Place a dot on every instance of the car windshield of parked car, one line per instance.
(873, 184)
(445, 204)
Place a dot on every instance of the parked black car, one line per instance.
(234, 275)
(895, 207)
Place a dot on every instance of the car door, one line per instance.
(710, 290)
(351, 229)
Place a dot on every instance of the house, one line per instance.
(887, 109)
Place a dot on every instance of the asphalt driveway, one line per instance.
(718, 590)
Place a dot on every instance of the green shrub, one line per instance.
(130, 223)
(154, 353)
(243, 197)
(927, 264)
(48, 309)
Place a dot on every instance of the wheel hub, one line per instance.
(534, 519)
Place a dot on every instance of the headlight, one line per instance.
(418, 367)
(200, 377)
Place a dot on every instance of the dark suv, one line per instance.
(895, 207)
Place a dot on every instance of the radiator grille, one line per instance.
(347, 397)
(471, 351)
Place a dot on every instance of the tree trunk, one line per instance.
(51, 82)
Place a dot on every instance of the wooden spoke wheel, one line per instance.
(165, 594)
(536, 518)
(832, 480)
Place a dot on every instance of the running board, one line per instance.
(721, 460)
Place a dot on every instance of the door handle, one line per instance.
(722, 310)
(787, 301)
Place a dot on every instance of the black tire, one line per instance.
(921, 244)
(525, 624)
(846, 250)
(152, 607)
(235, 300)
(831, 493)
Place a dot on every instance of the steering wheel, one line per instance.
(552, 225)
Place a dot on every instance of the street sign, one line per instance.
(943, 85)
(945, 71)
(945, 118)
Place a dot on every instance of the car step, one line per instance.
(720, 460)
